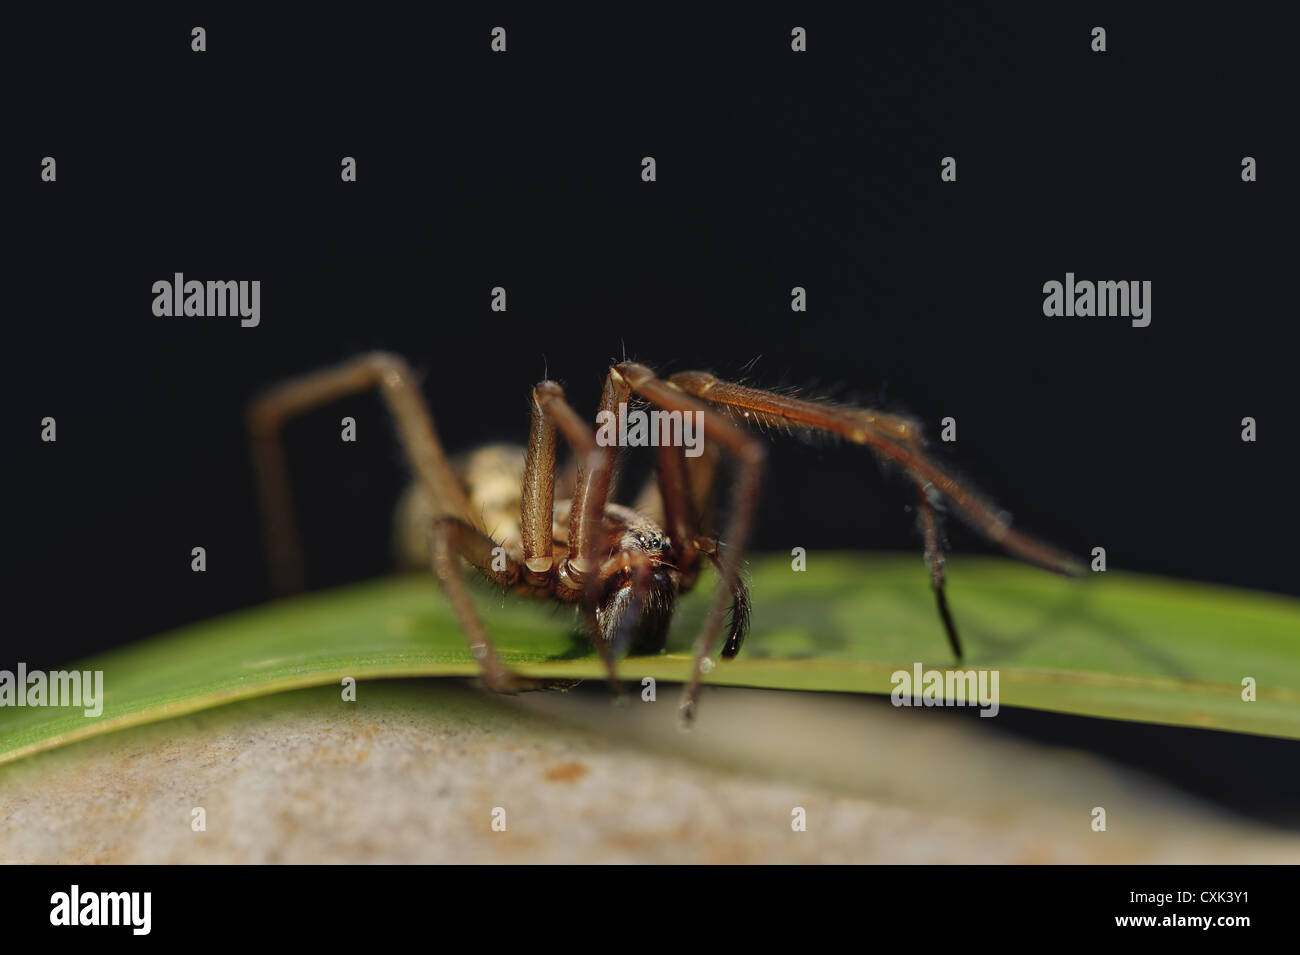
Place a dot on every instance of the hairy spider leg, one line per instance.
(898, 439)
(750, 455)
(455, 531)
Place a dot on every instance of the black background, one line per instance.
(775, 169)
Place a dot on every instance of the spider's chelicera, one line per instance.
(509, 514)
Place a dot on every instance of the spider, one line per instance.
(622, 567)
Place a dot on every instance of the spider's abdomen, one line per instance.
(492, 477)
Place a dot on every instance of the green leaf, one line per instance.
(1115, 645)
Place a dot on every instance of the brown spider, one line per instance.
(622, 566)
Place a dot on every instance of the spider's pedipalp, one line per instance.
(639, 599)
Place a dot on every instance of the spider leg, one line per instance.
(738, 626)
(592, 487)
(595, 481)
(750, 455)
(551, 412)
(934, 558)
(268, 414)
(450, 539)
(455, 530)
(681, 491)
(898, 439)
